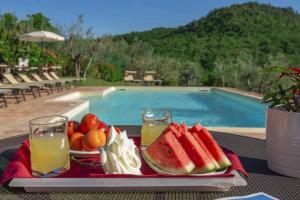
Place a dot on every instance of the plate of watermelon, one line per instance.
(180, 150)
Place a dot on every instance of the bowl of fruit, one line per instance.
(87, 136)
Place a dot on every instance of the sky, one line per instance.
(123, 16)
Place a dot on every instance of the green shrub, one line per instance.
(110, 72)
(93, 72)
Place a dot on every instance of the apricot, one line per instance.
(94, 139)
(75, 141)
(86, 147)
(89, 122)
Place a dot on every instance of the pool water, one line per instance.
(214, 108)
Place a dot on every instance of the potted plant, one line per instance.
(283, 123)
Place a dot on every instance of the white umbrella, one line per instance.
(41, 36)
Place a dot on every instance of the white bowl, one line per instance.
(84, 154)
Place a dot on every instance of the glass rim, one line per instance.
(164, 114)
(61, 120)
(156, 109)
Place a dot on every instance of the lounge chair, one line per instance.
(28, 87)
(10, 91)
(149, 78)
(47, 84)
(2, 96)
(129, 76)
(74, 79)
(66, 80)
(61, 82)
(40, 80)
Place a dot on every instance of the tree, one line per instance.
(168, 69)
(140, 54)
(9, 44)
(38, 22)
(80, 46)
(190, 73)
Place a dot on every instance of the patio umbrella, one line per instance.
(41, 36)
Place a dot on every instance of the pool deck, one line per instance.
(14, 119)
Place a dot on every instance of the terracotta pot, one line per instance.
(283, 142)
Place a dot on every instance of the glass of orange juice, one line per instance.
(154, 121)
(49, 146)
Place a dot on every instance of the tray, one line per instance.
(128, 184)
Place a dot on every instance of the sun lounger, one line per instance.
(149, 78)
(58, 84)
(62, 82)
(74, 79)
(34, 86)
(47, 84)
(67, 80)
(129, 76)
(9, 91)
(2, 96)
(28, 88)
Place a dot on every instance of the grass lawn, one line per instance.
(100, 82)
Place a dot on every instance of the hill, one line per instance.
(259, 30)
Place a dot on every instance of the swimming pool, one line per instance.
(213, 108)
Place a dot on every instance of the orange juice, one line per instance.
(49, 153)
(151, 132)
(154, 121)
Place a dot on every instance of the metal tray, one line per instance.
(128, 184)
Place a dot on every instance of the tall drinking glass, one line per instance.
(154, 121)
(49, 146)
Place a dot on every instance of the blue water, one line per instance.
(215, 108)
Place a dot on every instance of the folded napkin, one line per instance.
(19, 167)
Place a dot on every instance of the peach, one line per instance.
(89, 122)
(86, 147)
(75, 141)
(94, 139)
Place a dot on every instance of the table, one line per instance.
(252, 153)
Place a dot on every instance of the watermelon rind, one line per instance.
(201, 143)
(196, 153)
(183, 170)
(214, 148)
(208, 168)
(224, 162)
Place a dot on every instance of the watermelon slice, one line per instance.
(212, 145)
(184, 127)
(206, 150)
(196, 153)
(167, 154)
(174, 128)
(196, 128)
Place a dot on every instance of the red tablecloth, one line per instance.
(19, 167)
